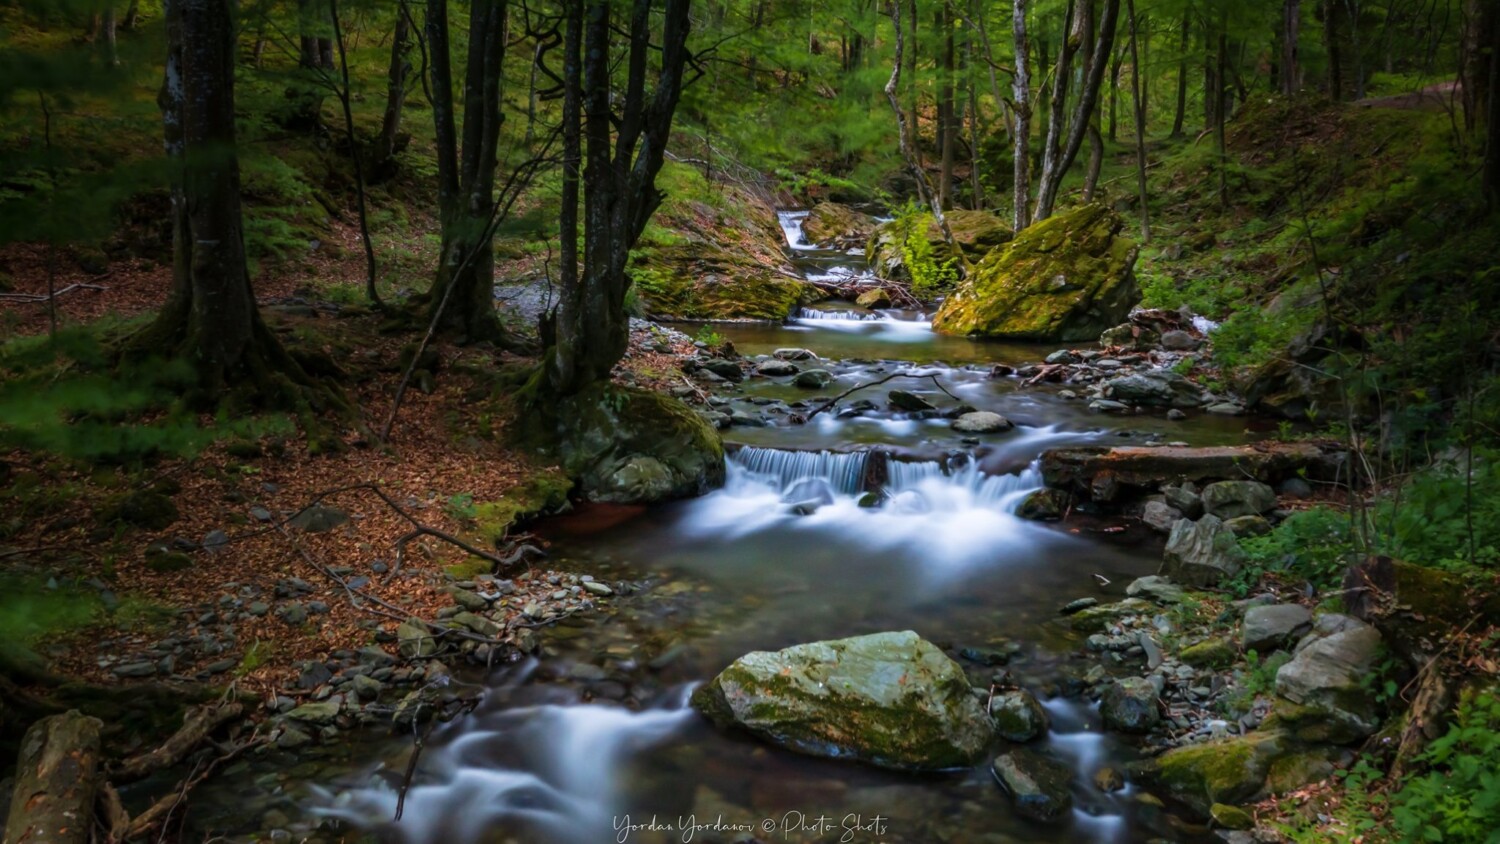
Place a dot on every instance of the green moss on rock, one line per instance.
(1228, 771)
(704, 281)
(544, 492)
(890, 699)
(1210, 653)
(1065, 279)
(977, 233)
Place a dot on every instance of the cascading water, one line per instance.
(551, 769)
(791, 226)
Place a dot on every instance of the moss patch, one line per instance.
(1064, 279)
(704, 281)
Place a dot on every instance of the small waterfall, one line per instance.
(844, 472)
(554, 770)
(844, 316)
(791, 226)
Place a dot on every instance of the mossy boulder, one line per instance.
(1064, 279)
(630, 446)
(1324, 692)
(1210, 653)
(148, 509)
(976, 233)
(1097, 618)
(705, 281)
(545, 491)
(889, 699)
(1227, 771)
(1018, 715)
(837, 226)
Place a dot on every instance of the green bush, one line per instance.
(1431, 521)
(1458, 800)
(1309, 545)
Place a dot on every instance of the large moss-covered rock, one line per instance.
(1324, 692)
(1064, 279)
(889, 699)
(837, 226)
(630, 446)
(705, 281)
(976, 233)
(1227, 771)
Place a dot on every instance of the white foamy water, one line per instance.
(791, 227)
(878, 326)
(552, 769)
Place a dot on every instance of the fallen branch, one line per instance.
(158, 813)
(197, 725)
(845, 394)
(41, 298)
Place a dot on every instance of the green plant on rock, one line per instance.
(929, 276)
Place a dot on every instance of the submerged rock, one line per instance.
(982, 422)
(889, 699)
(1018, 716)
(1044, 505)
(1066, 278)
(909, 402)
(813, 379)
(1040, 788)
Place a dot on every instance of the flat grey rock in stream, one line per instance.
(889, 699)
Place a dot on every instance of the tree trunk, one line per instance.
(1476, 59)
(1114, 96)
(359, 171)
(1052, 177)
(210, 317)
(132, 16)
(111, 50)
(1219, 116)
(1491, 176)
(388, 144)
(1290, 68)
(1052, 141)
(622, 155)
(1331, 16)
(1096, 160)
(1182, 74)
(57, 778)
(461, 301)
(1140, 122)
(1021, 93)
(947, 125)
(906, 134)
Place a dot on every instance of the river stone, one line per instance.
(1230, 770)
(794, 354)
(1184, 497)
(1132, 336)
(1210, 653)
(1018, 716)
(414, 640)
(889, 699)
(813, 379)
(317, 714)
(874, 298)
(319, 518)
(1155, 588)
(726, 369)
(909, 402)
(1160, 516)
(836, 226)
(1230, 817)
(777, 368)
(1040, 788)
(1323, 689)
(1129, 705)
(1044, 505)
(982, 422)
(1063, 279)
(1248, 526)
(1177, 340)
(630, 446)
(1231, 499)
(1155, 388)
(1201, 553)
(1270, 627)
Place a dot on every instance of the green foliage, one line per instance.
(460, 507)
(67, 397)
(1437, 512)
(929, 276)
(31, 607)
(709, 337)
(1311, 545)
(1458, 800)
(1257, 679)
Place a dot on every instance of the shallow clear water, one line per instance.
(550, 757)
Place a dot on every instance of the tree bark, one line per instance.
(345, 95)
(57, 778)
(210, 316)
(1290, 69)
(1182, 74)
(1057, 108)
(1140, 122)
(948, 131)
(461, 301)
(388, 144)
(622, 155)
(1051, 179)
(1331, 42)
(1491, 175)
(1021, 94)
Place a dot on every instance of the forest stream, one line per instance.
(551, 755)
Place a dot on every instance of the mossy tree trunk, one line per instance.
(210, 317)
(57, 777)
(621, 155)
(462, 298)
